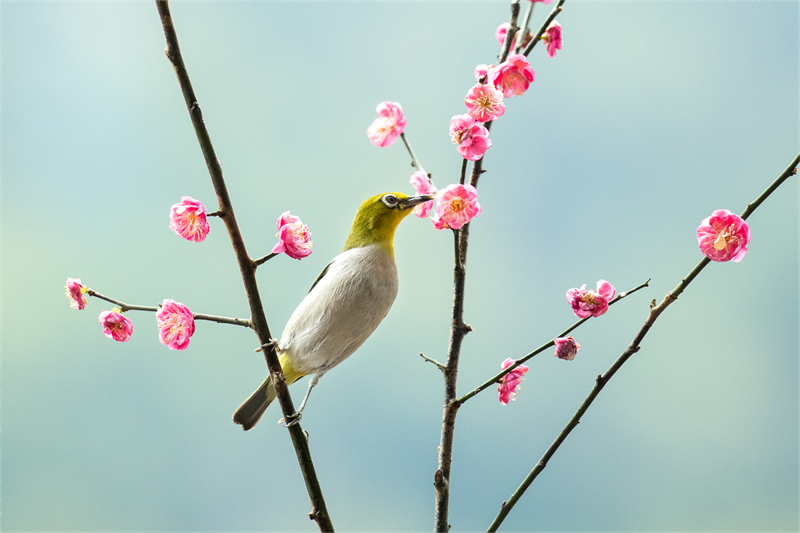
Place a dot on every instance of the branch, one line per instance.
(319, 512)
(543, 347)
(635, 345)
(512, 31)
(414, 161)
(536, 38)
(524, 28)
(264, 259)
(439, 365)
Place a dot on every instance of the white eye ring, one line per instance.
(390, 200)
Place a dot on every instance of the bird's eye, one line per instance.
(390, 200)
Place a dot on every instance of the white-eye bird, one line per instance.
(344, 306)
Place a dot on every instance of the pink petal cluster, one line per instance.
(116, 325)
(175, 325)
(75, 293)
(566, 348)
(188, 219)
(456, 205)
(484, 103)
(542, 1)
(513, 76)
(482, 70)
(591, 303)
(723, 236)
(390, 123)
(294, 238)
(472, 138)
(509, 385)
(500, 34)
(552, 36)
(423, 185)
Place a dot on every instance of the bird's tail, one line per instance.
(249, 413)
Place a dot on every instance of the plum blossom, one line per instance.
(509, 385)
(552, 36)
(513, 76)
(472, 138)
(175, 325)
(566, 348)
(423, 185)
(116, 325)
(75, 293)
(591, 303)
(390, 123)
(456, 205)
(723, 236)
(188, 219)
(484, 103)
(294, 238)
(482, 70)
(542, 1)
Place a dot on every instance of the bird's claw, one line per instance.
(273, 343)
(293, 419)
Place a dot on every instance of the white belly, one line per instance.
(341, 311)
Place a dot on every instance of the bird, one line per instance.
(345, 304)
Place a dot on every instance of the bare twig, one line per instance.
(438, 365)
(414, 161)
(264, 259)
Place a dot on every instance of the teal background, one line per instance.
(653, 115)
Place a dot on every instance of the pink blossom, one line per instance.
(175, 325)
(509, 385)
(542, 1)
(484, 103)
(501, 32)
(294, 238)
(513, 76)
(591, 303)
(723, 236)
(188, 219)
(456, 205)
(566, 348)
(75, 293)
(472, 138)
(116, 325)
(553, 38)
(390, 123)
(482, 70)
(423, 185)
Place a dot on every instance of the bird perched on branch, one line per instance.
(344, 306)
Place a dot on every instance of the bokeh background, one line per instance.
(653, 115)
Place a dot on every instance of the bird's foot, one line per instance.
(292, 419)
(273, 343)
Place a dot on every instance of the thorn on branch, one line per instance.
(794, 171)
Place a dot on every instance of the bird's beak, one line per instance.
(416, 200)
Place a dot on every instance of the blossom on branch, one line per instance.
(553, 38)
(509, 385)
(481, 71)
(723, 236)
(116, 325)
(472, 138)
(294, 238)
(188, 219)
(390, 123)
(513, 76)
(591, 303)
(423, 185)
(75, 293)
(566, 348)
(175, 325)
(456, 205)
(484, 103)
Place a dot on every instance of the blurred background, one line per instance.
(652, 116)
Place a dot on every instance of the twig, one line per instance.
(536, 38)
(414, 161)
(524, 28)
(635, 345)
(319, 511)
(512, 31)
(439, 365)
(463, 172)
(543, 347)
(264, 259)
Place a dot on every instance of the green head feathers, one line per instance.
(378, 217)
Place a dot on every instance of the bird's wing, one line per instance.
(321, 275)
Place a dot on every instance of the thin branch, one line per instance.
(439, 365)
(635, 345)
(264, 259)
(536, 38)
(414, 161)
(463, 172)
(319, 511)
(512, 31)
(543, 347)
(524, 28)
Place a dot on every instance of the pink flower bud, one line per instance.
(481, 71)
(175, 325)
(591, 303)
(509, 385)
(75, 293)
(472, 138)
(484, 103)
(294, 238)
(390, 123)
(723, 236)
(116, 325)
(566, 348)
(423, 185)
(513, 76)
(456, 205)
(552, 36)
(188, 219)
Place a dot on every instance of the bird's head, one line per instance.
(378, 217)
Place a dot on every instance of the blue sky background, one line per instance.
(653, 115)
